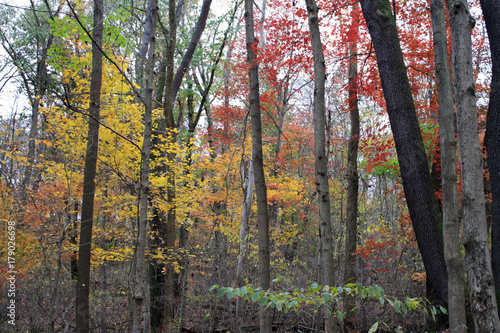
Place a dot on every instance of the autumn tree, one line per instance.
(35, 24)
(265, 318)
(417, 184)
(451, 228)
(491, 12)
(84, 253)
(475, 237)
(320, 159)
(352, 164)
(146, 56)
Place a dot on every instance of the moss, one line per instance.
(384, 9)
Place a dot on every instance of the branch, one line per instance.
(127, 80)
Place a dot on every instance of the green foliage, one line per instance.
(319, 296)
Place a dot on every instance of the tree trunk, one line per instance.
(491, 11)
(475, 234)
(265, 316)
(149, 40)
(352, 174)
(244, 233)
(417, 184)
(195, 38)
(165, 277)
(40, 88)
(83, 280)
(320, 160)
(451, 226)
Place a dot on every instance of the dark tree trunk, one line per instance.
(420, 197)
(491, 11)
(451, 226)
(352, 174)
(258, 165)
(83, 281)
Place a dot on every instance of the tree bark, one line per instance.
(352, 173)
(149, 39)
(195, 38)
(83, 280)
(320, 160)
(265, 317)
(248, 192)
(451, 226)
(416, 178)
(491, 11)
(475, 235)
(165, 277)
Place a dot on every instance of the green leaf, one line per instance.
(374, 328)
(221, 292)
(255, 297)
(279, 305)
(381, 291)
(340, 316)
(214, 287)
(278, 279)
(263, 300)
(397, 306)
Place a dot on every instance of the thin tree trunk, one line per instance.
(420, 197)
(475, 236)
(195, 38)
(169, 237)
(491, 11)
(248, 192)
(352, 173)
(83, 280)
(265, 317)
(320, 160)
(451, 226)
(149, 39)
(40, 88)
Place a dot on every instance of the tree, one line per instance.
(491, 12)
(475, 234)
(170, 85)
(148, 46)
(35, 82)
(419, 193)
(320, 159)
(451, 227)
(265, 317)
(84, 253)
(352, 166)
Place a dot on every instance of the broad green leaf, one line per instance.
(374, 328)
